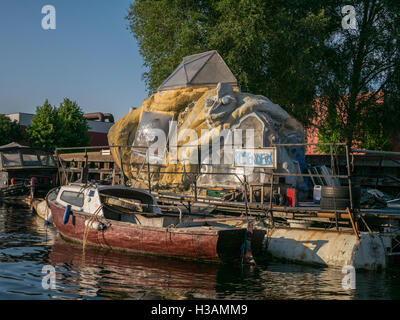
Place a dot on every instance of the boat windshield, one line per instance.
(29, 158)
(11, 159)
(47, 160)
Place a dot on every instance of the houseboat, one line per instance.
(25, 172)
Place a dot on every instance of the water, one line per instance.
(26, 245)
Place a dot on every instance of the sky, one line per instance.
(90, 57)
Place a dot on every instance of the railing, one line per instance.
(118, 150)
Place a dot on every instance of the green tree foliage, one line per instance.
(10, 131)
(360, 65)
(73, 127)
(43, 129)
(58, 127)
(291, 51)
(273, 47)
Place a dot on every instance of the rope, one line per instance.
(88, 224)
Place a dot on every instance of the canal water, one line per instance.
(26, 246)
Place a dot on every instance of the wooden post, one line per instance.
(352, 223)
(122, 176)
(148, 170)
(245, 195)
(113, 177)
(349, 178)
(270, 198)
(262, 193)
(198, 170)
(369, 230)
(332, 160)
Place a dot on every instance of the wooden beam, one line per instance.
(352, 223)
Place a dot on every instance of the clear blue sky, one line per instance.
(90, 57)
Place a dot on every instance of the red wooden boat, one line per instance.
(124, 218)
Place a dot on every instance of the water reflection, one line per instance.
(117, 275)
(112, 274)
(24, 245)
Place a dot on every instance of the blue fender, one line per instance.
(66, 214)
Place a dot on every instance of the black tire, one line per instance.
(334, 204)
(337, 204)
(341, 192)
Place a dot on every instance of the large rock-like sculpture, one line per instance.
(208, 109)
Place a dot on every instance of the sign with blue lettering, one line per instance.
(261, 158)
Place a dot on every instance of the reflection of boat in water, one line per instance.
(42, 209)
(114, 274)
(130, 219)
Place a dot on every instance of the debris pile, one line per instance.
(374, 199)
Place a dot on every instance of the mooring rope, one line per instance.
(88, 224)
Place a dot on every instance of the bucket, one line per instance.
(317, 194)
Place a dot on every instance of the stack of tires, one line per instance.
(338, 198)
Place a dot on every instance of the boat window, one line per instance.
(47, 160)
(74, 198)
(11, 159)
(30, 158)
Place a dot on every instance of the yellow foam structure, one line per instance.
(176, 103)
(172, 102)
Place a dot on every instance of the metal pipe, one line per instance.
(392, 153)
(109, 116)
(308, 144)
(94, 116)
(193, 146)
(149, 175)
(349, 178)
(332, 159)
(333, 215)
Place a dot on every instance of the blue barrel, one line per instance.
(66, 214)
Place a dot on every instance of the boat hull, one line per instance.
(189, 243)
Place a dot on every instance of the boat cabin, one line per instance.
(118, 203)
(25, 166)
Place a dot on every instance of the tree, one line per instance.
(291, 51)
(58, 127)
(360, 64)
(43, 130)
(272, 47)
(10, 131)
(73, 127)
